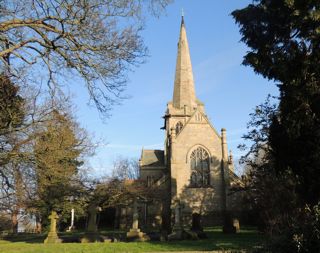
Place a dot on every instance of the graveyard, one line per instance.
(248, 239)
(159, 126)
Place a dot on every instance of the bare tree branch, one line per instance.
(97, 40)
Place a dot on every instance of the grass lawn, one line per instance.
(247, 239)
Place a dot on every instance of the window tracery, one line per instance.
(200, 168)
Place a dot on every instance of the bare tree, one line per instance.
(125, 168)
(96, 40)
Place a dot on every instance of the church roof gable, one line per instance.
(152, 158)
(199, 117)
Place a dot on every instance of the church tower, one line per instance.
(193, 169)
(195, 153)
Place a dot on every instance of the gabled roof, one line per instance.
(204, 117)
(152, 158)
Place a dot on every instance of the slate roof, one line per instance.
(152, 158)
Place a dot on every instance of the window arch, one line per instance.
(200, 168)
(179, 126)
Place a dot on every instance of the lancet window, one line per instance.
(200, 168)
(179, 126)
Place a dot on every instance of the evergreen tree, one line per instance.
(284, 41)
(12, 117)
(58, 152)
(11, 106)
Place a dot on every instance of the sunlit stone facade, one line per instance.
(194, 169)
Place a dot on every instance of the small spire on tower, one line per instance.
(184, 93)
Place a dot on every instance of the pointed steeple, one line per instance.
(184, 93)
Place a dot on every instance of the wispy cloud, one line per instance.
(220, 62)
(210, 71)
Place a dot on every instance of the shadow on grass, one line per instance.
(217, 240)
(25, 237)
(247, 239)
(66, 237)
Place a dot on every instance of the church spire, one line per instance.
(184, 93)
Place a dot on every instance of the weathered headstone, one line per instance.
(92, 234)
(52, 235)
(236, 224)
(177, 230)
(177, 217)
(135, 233)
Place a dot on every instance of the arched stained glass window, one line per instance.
(200, 168)
(178, 127)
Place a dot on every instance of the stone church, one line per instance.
(194, 171)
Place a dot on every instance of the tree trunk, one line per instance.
(14, 221)
(38, 224)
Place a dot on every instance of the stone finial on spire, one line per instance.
(182, 16)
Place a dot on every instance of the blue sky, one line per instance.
(229, 90)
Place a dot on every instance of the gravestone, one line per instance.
(177, 230)
(92, 234)
(236, 224)
(52, 235)
(135, 233)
